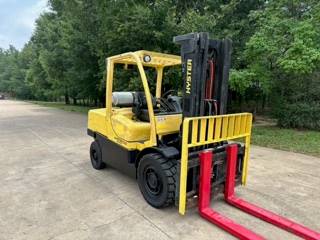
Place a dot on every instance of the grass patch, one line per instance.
(301, 141)
(63, 106)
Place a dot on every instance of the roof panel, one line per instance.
(157, 59)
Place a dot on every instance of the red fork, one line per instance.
(206, 159)
(204, 203)
(277, 220)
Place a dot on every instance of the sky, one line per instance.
(17, 21)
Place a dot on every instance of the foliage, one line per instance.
(276, 48)
(284, 52)
(300, 115)
(13, 66)
(241, 80)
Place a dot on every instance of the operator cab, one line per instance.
(136, 114)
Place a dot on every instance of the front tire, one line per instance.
(96, 156)
(157, 180)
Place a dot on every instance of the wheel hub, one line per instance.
(152, 181)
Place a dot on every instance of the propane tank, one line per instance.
(122, 99)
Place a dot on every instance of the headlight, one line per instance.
(146, 58)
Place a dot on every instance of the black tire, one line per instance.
(156, 179)
(96, 156)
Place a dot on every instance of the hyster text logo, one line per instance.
(188, 81)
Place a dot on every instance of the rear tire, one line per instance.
(96, 156)
(156, 179)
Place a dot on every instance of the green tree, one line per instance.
(13, 65)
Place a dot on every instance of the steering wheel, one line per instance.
(167, 93)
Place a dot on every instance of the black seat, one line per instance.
(140, 106)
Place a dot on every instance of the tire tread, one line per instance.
(170, 169)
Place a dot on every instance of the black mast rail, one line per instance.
(205, 71)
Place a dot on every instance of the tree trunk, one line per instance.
(241, 103)
(264, 99)
(66, 98)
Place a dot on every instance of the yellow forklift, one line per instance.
(178, 147)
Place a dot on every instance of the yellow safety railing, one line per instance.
(199, 131)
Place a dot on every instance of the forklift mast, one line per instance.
(205, 71)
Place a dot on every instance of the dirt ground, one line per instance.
(48, 189)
